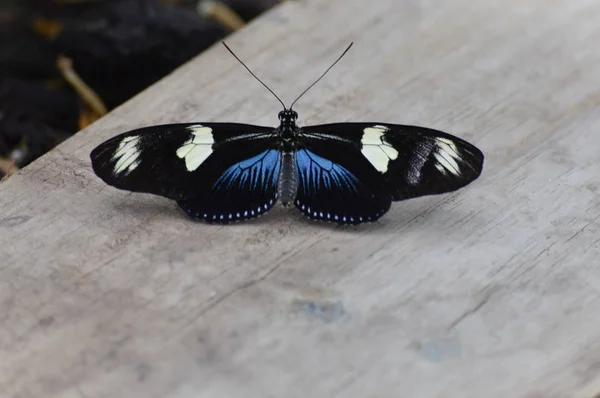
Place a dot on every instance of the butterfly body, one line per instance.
(287, 144)
(346, 173)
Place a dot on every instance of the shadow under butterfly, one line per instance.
(346, 173)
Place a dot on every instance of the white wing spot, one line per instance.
(447, 156)
(199, 147)
(377, 151)
(127, 155)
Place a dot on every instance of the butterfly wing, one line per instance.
(335, 182)
(246, 189)
(338, 191)
(219, 172)
(350, 172)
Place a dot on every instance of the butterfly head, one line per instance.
(288, 116)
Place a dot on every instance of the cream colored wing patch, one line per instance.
(127, 156)
(378, 152)
(446, 156)
(198, 148)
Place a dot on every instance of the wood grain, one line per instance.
(492, 291)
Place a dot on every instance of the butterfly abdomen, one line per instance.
(288, 186)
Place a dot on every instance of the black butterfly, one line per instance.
(347, 173)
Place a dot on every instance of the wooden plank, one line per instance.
(491, 291)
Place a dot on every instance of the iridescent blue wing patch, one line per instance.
(246, 189)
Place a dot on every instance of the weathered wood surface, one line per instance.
(489, 292)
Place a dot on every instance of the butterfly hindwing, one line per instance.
(331, 192)
(354, 170)
(336, 183)
(219, 172)
(246, 189)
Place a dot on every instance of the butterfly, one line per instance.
(345, 173)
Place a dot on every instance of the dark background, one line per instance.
(114, 48)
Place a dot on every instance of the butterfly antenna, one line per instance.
(324, 73)
(248, 69)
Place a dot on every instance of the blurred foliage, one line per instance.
(109, 50)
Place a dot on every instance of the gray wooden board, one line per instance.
(491, 291)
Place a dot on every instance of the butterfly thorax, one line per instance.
(287, 128)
